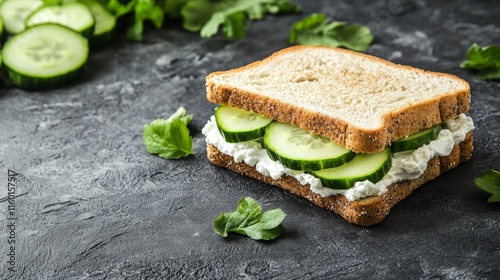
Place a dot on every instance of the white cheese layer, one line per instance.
(405, 165)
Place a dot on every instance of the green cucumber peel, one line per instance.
(371, 167)
(298, 149)
(416, 140)
(238, 125)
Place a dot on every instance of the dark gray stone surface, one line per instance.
(93, 204)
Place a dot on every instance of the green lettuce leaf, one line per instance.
(196, 13)
(172, 8)
(317, 30)
(249, 220)
(204, 16)
(485, 60)
(145, 10)
(490, 183)
(169, 138)
(119, 9)
(209, 16)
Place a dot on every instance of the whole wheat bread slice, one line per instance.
(357, 100)
(367, 211)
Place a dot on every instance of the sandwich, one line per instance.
(350, 132)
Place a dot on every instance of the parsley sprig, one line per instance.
(249, 220)
(490, 183)
(169, 138)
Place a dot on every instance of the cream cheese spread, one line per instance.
(405, 165)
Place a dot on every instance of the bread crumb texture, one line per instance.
(357, 100)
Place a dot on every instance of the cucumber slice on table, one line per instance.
(298, 149)
(14, 13)
(416, 140)
(105, 23)
(45, 56)
(74, 15)
(371, 167)
(238, 125)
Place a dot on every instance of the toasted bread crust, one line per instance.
(397, 124)
(367, 211)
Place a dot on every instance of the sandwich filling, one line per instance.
(405, 165)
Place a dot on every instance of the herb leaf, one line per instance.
(145, 10)
(486, 60)
(169, 138)
(120, 9)
(317, 30)
(181, 115)
(249, 220)
(204, 16)
(208, 16)
(196, 13)
(490, 183)
(172, 8)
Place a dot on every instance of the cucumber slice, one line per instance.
(14, 13)
(298, 149)
(371, 167)
(45, 56)
(416, 140)
(74, 15)
(237, 125)
(105, 23)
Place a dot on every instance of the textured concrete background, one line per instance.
(93, 204)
